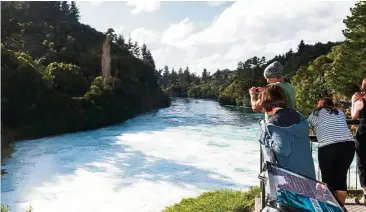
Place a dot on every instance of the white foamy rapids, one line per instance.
(146, 164)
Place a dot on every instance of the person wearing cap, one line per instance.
(273, 75)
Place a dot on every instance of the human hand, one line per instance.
(355, 97)
(260, 89)
(358, 96)
(358, 105)
(252, 90)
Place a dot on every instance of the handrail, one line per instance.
(313, 139)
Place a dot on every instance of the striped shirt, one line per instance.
(330, 128)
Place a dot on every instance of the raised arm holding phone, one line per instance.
(273, 75)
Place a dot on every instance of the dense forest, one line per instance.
(231, 87)
(333, 69)
(59, 75)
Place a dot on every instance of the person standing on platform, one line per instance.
(358, 111)
(336, 145)
(273, 75)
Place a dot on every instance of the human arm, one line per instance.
(356, 108)
(255, 103)
(280, 142)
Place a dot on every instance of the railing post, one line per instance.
(356, 173)
(349, 178)
(262, 188)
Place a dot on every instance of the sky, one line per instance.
(218, 34)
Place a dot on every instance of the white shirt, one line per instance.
(330, 128)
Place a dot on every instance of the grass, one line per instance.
(211, 201)
(6, 208)
(218, 201)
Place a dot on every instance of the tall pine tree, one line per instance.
(150, 59)
(136, 50)
(120, 41)
(65, 7)
(74, 11)
(144, 52)
(130, 45)
(204, 75)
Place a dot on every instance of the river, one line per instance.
(144, 164)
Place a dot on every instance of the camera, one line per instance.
(360, 94)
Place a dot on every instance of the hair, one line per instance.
(276, 79)
(327, 104)
(273, 96)
(363, 86)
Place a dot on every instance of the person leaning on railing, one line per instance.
(286, 134)
(336, 145)
(358, 111)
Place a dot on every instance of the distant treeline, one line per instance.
(333, 69)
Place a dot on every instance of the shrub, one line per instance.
(217, 201)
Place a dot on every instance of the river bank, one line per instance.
(10, 136)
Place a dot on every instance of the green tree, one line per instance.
(65, 8)
(74, 11)
(136, 50)
(165, 78)
(173, 77)
(111, 33)
(204, 75)
(150, 59)
(121, 41)
(67, 78)
(144, 52)
(350, 65)
(187, 77)
(67, 95)
(130, 45)
(311, 84)
(301, 47)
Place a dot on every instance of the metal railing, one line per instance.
(351, 189)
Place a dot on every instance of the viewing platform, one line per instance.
(354, 188)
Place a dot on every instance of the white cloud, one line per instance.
(176, 34)
(160, 55)
(257, 28)
(142, 35)
(211, 63)
(242, 50)
(96, 3)
(143, 5)
(119, 30)
(214, 3)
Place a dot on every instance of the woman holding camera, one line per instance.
(336, 145)
(358, 111)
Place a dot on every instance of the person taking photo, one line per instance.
(273, 75)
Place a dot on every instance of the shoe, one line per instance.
(361, 201)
